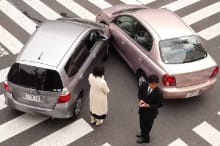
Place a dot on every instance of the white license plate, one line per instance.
(30, 97)
(191, 94)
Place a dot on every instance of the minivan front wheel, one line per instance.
(141, 77)
(77, 106)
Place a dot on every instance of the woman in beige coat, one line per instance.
(98, 96)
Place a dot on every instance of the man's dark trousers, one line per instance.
(146, 123)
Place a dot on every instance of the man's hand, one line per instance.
(143, 104)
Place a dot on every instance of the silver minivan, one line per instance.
(50, 73)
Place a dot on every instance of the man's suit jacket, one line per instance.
(154, 99)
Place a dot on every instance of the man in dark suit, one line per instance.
(150, 99)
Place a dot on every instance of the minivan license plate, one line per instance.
(30, 97)
(192, 94)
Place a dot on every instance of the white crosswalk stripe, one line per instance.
(210, 32)
(179, 4)
(106, 144)
(17, 16)
(134, 2)
(202, 13)
(2, 102)
(18, 125)
(178, 142)
(10, 41)
(80, 128)
(102, 4)
(208, 132)
(3, 74)
(146, 1)
(43, 9)
(66, 135)
(77, 9)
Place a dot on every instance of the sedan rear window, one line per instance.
(35, 77)
(182, 50)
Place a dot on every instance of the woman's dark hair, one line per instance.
(98, 71)
(153, 79)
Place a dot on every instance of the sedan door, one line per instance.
(130, 39)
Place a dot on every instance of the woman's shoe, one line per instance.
(92, 120)
(99, 122)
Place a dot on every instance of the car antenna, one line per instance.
(40, 56)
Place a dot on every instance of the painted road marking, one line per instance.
(146, 1)
(208, 133)
(179, 4)
(66, 135)
(3, 52)
(210, 32)
(8, 40)
(102, 4)
(18, 125)
(202, 13)
(131, 2)
(106, 144)
(2, 102)
(3, 74)
(18, 17)
(77, 9)
(178, 142)
(43, 9)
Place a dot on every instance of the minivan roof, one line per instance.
(51, 42)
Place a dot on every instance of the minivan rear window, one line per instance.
(35, 77)
(182, 50)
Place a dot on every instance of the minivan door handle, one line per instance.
(81, 76)
(94, 56)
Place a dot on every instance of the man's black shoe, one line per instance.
(143, 140)
(139, 135)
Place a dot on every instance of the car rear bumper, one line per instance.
(175, 93)
(60, 111)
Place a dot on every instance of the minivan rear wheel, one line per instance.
(141, 77)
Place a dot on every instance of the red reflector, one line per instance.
(6, 87)
(214, 72)
(64, 98)
(169, 80)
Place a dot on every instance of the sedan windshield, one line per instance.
(182, 50)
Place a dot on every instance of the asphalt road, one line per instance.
(176, 120)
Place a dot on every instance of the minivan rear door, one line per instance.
(34, 86)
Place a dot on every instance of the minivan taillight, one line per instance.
(169, 80)
(6, 86)
(64, 96)
(214, 72)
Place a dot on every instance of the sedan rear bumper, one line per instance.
(185, 92)
(60, 111)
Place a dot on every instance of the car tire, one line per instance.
(141, 77)
(77, 106)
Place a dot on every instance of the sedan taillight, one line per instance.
(64, 96)
(214, 72)
(6, 86)
(169, 80)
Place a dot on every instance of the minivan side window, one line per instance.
(76, 60)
